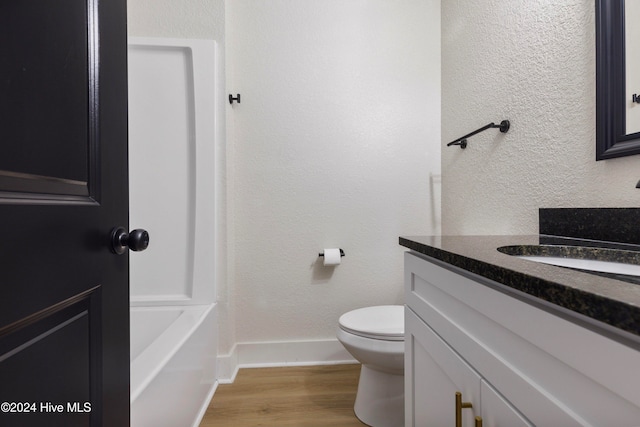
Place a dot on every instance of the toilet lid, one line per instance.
(385, 322)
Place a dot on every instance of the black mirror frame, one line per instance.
(611, 137)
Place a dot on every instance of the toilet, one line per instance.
(375, 337)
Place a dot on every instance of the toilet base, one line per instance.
(380, 398)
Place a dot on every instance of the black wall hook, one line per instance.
(462, 141)
(231, 99)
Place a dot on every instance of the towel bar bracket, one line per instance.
(461, 143)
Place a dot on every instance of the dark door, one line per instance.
(64, 316)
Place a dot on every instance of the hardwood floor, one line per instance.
(309, 396)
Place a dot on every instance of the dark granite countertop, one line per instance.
(606, 304)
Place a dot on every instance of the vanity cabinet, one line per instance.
(515, 363)
(439, 373)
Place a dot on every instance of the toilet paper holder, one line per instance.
(341, 253)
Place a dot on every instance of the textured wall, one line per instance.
(197, 19)
(333, 145)
(534, 64)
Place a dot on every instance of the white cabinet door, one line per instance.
(433, 375)
(497, 412)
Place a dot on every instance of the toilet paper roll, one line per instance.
(332, 256)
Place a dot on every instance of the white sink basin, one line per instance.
(592, 259)
(587, 264)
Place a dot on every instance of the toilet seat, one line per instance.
(385, 322)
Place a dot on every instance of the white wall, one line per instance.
(333, 146)
(197, 19)
(534, 64)
(335, 143)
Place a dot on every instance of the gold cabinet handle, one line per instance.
(459, 406)
(478, 422)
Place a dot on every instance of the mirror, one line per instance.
(632, 56)
(617, 88)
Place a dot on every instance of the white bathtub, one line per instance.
(172, 283)
(173, 361)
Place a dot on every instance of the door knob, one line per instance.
(137, 240)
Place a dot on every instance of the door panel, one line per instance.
(46, 98)
(39, 362)
(64, 325)
(433, 375)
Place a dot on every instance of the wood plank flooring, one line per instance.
(309, 396)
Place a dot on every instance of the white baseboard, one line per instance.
(283, 353)
(227, 368)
